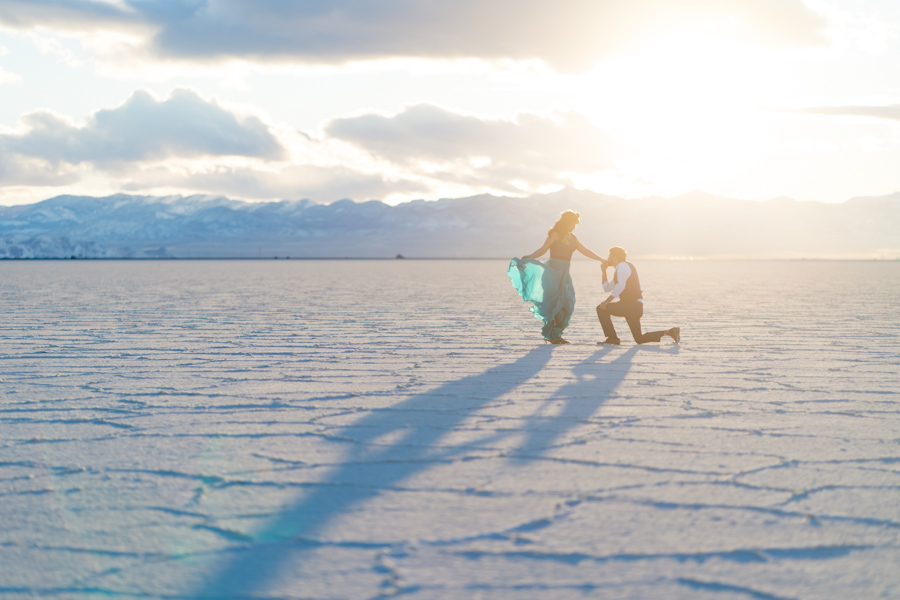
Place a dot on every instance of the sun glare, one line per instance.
(687, 100)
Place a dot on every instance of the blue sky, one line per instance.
(404, 99)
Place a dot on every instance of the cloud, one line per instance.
(317, 183)
(570, 35)
(890, 111)
(533, 149)
(84, 15)
(7, 77)
(144, 129)
(187, 144)
(17, 170)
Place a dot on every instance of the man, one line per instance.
(626, 287)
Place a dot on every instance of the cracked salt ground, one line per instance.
(230, 429)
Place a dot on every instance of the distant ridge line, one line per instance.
(695, 225)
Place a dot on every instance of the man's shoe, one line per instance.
(675, 332)
(609, 342)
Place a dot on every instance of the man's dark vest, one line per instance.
(632, 289)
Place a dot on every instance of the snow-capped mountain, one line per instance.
(693, 225)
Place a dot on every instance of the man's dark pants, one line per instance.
(632, 310)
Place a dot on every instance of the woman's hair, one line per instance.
(565, 224)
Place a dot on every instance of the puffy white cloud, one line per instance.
(17, 170)
(142, 135)
(7, 77)
(530, 151)
(569, 35)
(143, 129)
(318, 183)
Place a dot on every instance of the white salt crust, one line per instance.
(371, 429)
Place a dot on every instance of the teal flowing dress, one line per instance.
(548, 287)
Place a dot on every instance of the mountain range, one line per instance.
(695, 225)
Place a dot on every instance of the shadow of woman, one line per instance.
(414, 427)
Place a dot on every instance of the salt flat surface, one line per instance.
(371, 429)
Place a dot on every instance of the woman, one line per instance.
(548, 286)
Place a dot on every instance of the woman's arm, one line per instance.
(540, 251)
(590, 254)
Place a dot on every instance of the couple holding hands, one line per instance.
(548, 286)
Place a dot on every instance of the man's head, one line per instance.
(616, 256)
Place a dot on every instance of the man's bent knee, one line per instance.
(601, 308)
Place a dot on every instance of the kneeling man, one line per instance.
(626, 287)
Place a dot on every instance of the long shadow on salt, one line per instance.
(415, 428)
(594, 383)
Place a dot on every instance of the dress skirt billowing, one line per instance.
(548, 286)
